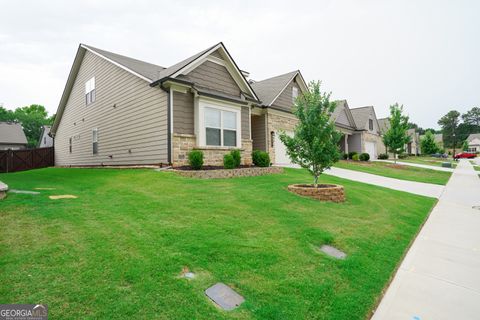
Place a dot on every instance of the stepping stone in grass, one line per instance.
(63, 196)
(333, 252)
(23, 191)
(44, 188)
(224, 296)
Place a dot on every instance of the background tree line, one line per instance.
(32, 118)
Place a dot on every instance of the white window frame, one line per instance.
(94, 140)
(202, 137)
(90, 91)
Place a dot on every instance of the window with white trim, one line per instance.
(95, 141)
(220, 127)
(90, 91)
(294, 94)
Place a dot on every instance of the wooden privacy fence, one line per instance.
(26, 159)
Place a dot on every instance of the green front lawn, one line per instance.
(117, 250)
(397, 171)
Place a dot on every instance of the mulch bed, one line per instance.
(188, 168)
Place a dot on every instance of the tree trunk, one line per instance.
(315, 181)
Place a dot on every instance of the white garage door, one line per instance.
(281, 157)
(371, 149)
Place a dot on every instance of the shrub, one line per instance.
(195, 159)
(402, 156)
(237, 157)
(355, 157)
(260, 158)
(364, 157)
(345, 156)
(383, 156)
(228, 161)
(351, 154)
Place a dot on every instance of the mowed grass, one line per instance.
(430, 161)
(117, 250)
(397, 171)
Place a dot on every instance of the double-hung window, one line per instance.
(370, 124)
(90, 91)
(220, 127)
(95, 141)
(294, 94)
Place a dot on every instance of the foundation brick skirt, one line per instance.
(228, 173)
(324, 192)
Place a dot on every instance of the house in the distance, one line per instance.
(411, 148)
(12, 136)
(474, 142)
(368, 130)
(45, 139)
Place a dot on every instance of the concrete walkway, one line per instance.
(419, 165)
(424, 189)
(440, 275)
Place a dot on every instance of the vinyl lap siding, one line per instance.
(183, 113)
(131, 118)
(213, 76)
(284, 101)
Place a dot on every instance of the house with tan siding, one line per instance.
(116, 110)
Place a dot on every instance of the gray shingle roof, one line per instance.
(361, 116)
(267, 90)
(148, 70)
(12, 133)
(473, 136)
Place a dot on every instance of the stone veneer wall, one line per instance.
(212, 156)
(229, 173)
(277, 122)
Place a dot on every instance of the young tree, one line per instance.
(428, 144)
(314, 145)
(396, 136)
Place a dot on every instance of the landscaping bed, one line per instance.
(397, 171)
(120, 247)
(322, 192)
(211, 172)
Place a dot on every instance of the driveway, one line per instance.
(440, 275)
(419, 165)
(424, 189)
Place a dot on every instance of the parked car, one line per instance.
(439, 155)
(464, 155)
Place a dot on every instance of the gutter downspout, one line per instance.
(169, 122)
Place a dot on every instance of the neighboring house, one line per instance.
(474, 142)
(45, 139)
(411, 148)
(12, 136)
(368, 129)
(116, 110)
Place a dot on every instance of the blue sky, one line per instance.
(422, 54)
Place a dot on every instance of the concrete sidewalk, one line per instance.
(424, 189)
(419, 165)
(440, 275)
